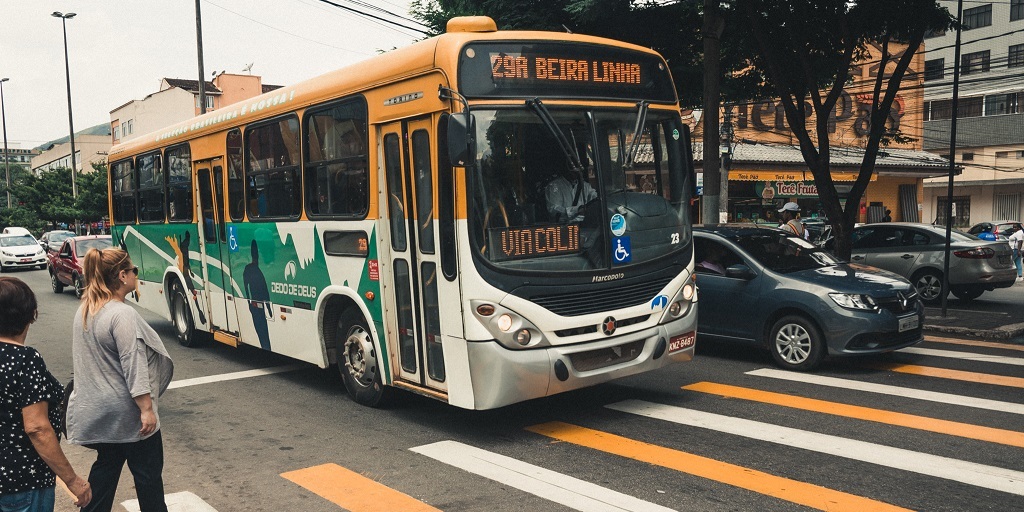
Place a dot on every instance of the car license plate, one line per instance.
(909, 322)
(682, 341)
(26, 260)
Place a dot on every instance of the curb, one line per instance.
(1000, 333)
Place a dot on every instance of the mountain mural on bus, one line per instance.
(269, 264)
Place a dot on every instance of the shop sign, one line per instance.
(771, 189)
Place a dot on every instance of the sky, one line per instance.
(119, 50)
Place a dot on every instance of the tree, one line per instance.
(805, 52)
(92, 194)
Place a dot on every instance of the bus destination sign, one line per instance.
(563, 70)
(534, 241)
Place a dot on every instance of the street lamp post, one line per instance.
(7, 157)
(71, 123)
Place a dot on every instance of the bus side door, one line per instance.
(219, 290)
(412, 305)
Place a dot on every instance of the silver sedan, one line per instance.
(916, 251)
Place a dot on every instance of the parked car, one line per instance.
(20, 251)
(52, 240)
(917, 251)
(16, 231)
(785, 294)
(995, 229)
(65, 265)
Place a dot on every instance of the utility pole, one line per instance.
(71, 123)
(952, 153)
(726, 152)
(202, 74)
(7, 157)
(714, 24)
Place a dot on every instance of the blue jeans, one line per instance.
(36, 500)
(1017, 261)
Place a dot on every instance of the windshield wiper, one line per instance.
(641, 118)
(575, 164)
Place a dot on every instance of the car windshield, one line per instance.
(60, 236)
(17, 241)
(588, 198)
(96, 243)
(782, 253)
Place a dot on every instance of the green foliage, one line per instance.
(92, 194)
(47, 200)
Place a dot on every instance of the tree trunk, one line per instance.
(715, 199)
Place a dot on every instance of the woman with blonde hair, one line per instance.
(121, 368)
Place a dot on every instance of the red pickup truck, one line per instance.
(65, 264)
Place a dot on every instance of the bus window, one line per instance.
(236, 183)
(179, 184)
(424, 189)
(272, 162)
(122, 186)
(151, 188)
(446, 204)
(336, 161)
(396, 194)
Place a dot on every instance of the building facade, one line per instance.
(18, 156)
(990, 114)
(89, 149)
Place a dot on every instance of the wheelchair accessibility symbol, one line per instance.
(621, 251)
(232, 239)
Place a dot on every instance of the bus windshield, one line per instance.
(571, 190)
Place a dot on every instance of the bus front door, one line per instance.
(219, 292)
(413, 318)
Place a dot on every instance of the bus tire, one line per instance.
(357, 361)
(181, 317)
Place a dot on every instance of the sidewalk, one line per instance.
(987, 325)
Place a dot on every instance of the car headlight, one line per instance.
(854, 301)
(8, 254)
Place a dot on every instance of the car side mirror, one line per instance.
(739, 271)
(461, 138)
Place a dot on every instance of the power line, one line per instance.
(286, 32)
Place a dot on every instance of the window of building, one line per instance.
(151, 188)
(1002, 154)
(209, 101)
(966, 157)
(934, 69)
(1015, 58)
(961, 210)
(1016, 10)
(970, 107)
(122, 186)
(941, 109)
(1007, 206)
(998, 104)
(272, 169)
(126, 128)
(335, 141)
(978, 17)
(179, 184)
(976, 62)
(236, 181)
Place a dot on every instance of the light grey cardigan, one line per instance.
(117, 357)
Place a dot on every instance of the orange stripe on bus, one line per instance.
(966, 430)
(352, 491)
(974, 343)
(928, 371)
(794, 491)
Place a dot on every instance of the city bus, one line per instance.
(484, 217)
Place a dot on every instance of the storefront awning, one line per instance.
(742, 175)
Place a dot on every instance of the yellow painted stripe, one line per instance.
(975, 343)
(967, 430)
(810, 495)
(943, 373)
(352, 491)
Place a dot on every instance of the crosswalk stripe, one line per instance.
(795, 491)
(352, 491)
(954, 428)
(989, 477)
(885, 389)
(967, 356)
(178, 502)
(245, 374)
(552, 486)
(975, 343)
(943, 373)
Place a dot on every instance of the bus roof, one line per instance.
(440, 52)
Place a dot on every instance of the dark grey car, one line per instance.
(917, 251)
(783, 293)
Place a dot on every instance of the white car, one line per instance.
(16, 231)
(19, 251)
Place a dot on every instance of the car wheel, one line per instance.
(55, 283)
(357, 361)
(796, 343)
(967, 293)
(181, 317)
(929, 286)
(79, 283)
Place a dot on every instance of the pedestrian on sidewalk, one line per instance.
(121, 369)
(30, 453)
(1017, 244)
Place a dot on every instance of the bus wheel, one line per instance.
(181, 316)
(357, 362)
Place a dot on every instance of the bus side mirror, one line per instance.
(461, 139)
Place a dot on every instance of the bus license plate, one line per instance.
(682, 341)
(910, 322)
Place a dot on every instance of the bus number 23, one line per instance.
(675, 238)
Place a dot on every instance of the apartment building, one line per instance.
(990, 114)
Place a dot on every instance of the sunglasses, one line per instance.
(133, 270)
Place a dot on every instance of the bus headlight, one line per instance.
(523, 337)
(675, 309)
(505, 323)
(688, 290)
(507, 327)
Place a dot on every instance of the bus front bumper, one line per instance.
(502, 376)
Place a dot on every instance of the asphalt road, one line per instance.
(636, 444)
